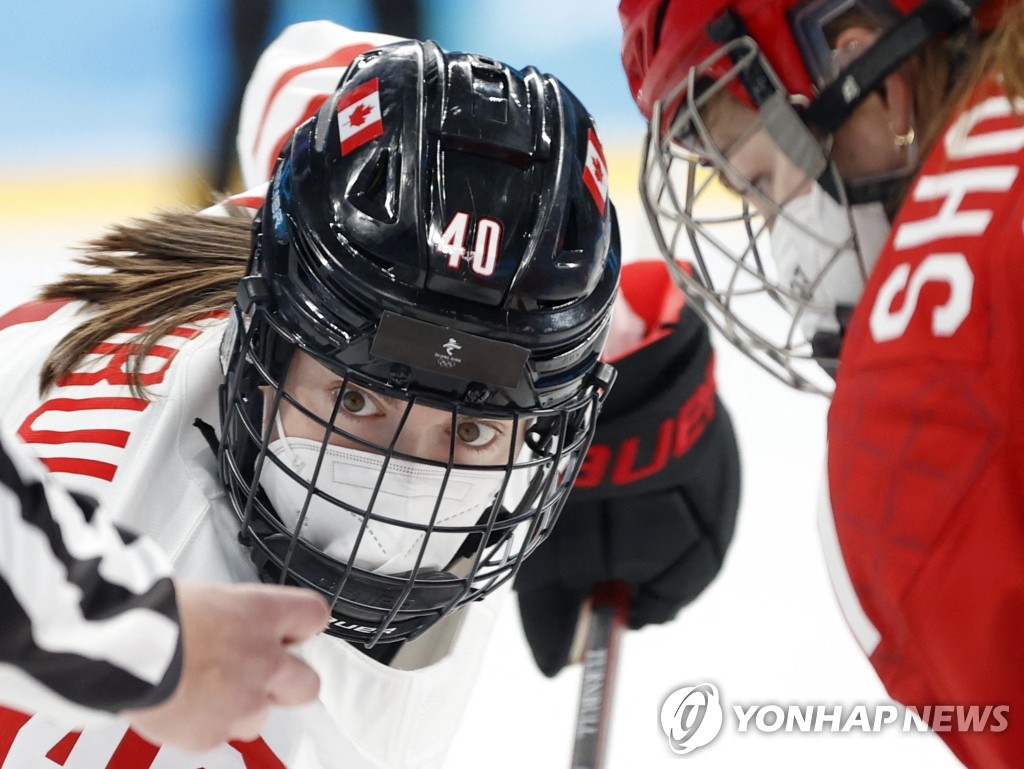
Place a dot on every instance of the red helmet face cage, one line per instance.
(664, 39)
(709, 206)
(787, 311)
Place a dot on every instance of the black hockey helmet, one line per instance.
(438, 233)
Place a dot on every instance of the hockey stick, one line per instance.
(609, 605)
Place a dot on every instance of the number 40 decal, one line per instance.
(483, 258)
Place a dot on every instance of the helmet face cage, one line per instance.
(704, 209)
(413, 374)
(393, 544)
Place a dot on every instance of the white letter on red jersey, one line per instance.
(946, 319)
(950, 221)
(959, 145)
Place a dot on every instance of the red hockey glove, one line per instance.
(655, 504)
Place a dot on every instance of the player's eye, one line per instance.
(476, 434)
(358, 403)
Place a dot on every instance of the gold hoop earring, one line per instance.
(904, 140)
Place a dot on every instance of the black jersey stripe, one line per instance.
(60, 648)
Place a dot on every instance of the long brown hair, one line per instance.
(158, 273)
(948, 71)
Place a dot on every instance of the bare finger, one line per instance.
(294, 683)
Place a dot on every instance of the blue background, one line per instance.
(131, 84)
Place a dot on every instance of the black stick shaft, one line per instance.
(609, 607)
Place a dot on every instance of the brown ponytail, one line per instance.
(159, 272)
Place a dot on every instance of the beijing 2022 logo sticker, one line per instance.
(691, 717)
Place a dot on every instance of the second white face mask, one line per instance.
(825, 268)
(408, 493)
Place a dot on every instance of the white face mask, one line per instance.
(801, 257)
(408, 493)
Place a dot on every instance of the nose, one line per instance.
(425, 434)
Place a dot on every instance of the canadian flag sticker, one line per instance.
(595, 173)
(359, 118)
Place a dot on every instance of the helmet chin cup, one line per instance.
(355, 615)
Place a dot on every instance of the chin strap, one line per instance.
(933, 18)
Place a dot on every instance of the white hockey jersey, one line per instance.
(153, 472)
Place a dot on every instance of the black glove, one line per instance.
(655, 504)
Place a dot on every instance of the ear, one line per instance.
(898, 102)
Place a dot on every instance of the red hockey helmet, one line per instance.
(664, 39)
(794, 80)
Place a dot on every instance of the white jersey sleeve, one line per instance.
(86, 610)
(292, 78)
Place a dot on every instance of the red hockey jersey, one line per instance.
(925, 440)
